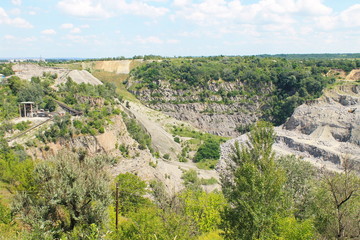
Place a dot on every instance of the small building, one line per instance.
(27, 109)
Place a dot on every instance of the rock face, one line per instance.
(324, 131)
(212, 118)
(218, 108)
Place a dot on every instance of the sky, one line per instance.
(113, 28)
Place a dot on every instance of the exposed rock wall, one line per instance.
(324, 131)
(218, 108)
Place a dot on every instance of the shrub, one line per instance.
(209, 150)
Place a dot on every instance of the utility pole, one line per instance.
(117, 205)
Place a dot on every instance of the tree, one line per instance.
(131, 192)
(209, 150)
(69, 192)
(301, 178)
(337, 204)
(203, 208)
(253, 187)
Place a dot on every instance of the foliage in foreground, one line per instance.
(254, 188)
(70, 191)
(286, 198)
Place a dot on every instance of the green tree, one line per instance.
(301, 178)
(209, 150)
(204, 208)
(131, 192)
(253, 187)
(70, 191)
(337, 204)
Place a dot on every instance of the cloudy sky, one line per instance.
(111, 28)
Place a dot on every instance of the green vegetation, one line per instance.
(75, 192)
(6, 69)
(254, 191)
(210, 150)
(137, 132)
(70, 196)
(118, 80)
(286, 198)
(207, 146)
(274, 85)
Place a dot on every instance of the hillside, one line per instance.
(224, 95)
(324, 131)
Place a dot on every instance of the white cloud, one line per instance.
(84, 8)
(32, 13)
(350, 17)
(109, 8)
(48, 32)
(75, 30)
(264, 18)
(16, 2)
(16, 22)
(210, 12)
(67, 26)
(140, 8)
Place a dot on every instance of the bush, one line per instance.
(209, 150)
(71, 191)
(21, 126)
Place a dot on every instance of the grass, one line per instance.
(208, 181)
(118, 80)
(207, 164)
(72, 66)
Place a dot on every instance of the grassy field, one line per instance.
(118, 80)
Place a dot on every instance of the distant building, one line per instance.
(27, 109)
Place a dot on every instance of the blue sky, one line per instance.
(111, 28)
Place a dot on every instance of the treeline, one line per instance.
(315, 56)
(70, 196)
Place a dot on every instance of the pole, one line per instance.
(117, 205)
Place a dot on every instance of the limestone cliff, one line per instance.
(217, 108)
(324, 131)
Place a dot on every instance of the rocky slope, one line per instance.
(29, 70)
(324, 131)
(217, 109)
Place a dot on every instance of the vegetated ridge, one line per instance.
(225, 95)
